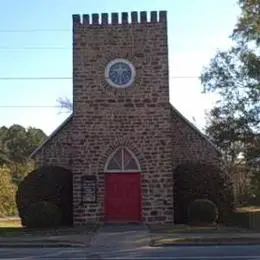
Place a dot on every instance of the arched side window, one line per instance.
(122, 160)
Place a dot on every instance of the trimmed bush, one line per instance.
(204, 181)
(51, 184)
(42, 215)
(202, 211)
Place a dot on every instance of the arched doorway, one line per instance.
(122, 186)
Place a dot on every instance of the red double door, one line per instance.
(122, 196)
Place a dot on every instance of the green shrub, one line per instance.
(7, 193)
(245, 218)
(205, 181)
(52, 184)
(202, 211)
(42, 214)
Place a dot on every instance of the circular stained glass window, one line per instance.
(120, 73)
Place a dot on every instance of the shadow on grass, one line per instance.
(45, 232)
(170, 228)
(205, 241)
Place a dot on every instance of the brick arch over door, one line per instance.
(122, 160)
(118, 143)
(122, 186)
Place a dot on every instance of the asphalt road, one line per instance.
(182, 253)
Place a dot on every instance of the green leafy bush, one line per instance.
(42, 214)
(246, 217)
(202, 211)
(7, 193)
(205, 181)
(52, 184)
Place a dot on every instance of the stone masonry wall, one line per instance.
(57, 151)
(188, 143)
(137, 117)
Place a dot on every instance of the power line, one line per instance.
(33, 106)
(4, 48)
(35, 78)
(7, 48)
(70, 78)
(184, 77)
(34, 30)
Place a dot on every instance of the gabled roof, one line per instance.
(195, 128)
(54, 133)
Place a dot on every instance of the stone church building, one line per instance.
(124, 139)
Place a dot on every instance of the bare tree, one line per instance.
(65, 103)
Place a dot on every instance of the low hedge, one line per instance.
(202, 211)
(199, 180)
(49, 183)
(245, 219)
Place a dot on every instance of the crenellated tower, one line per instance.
(121, 99)
(100, 39)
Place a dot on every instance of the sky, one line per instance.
(36, 41)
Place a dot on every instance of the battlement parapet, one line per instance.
(120, 18)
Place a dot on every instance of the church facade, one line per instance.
(124, 139)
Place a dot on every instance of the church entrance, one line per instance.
(122, 187)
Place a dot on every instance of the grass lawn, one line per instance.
(10, 223)
(13, 228)
(248, 209)
(171, 229)
(206, 241)
(169, 234)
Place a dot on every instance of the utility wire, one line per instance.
(70, 78)
(31, 48)
(34, 30)
(35, 78)
(32, 106)
(4, 48)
